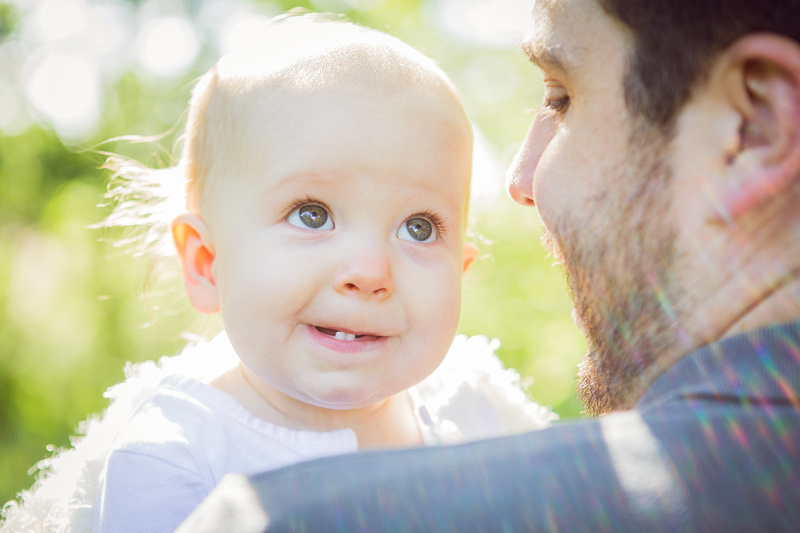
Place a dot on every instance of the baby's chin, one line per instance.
(349, 399)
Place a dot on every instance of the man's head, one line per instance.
(675, 42)
(666, 194)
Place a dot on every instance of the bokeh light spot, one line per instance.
(167, 47)
(491, 79)
(497, 23)
(66, 91)
(242, 31)
(59, 19)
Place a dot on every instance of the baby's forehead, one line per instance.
(353, 75)
(381, 67)
(337, 130)
(372, 65)
(304, 67)
(253, 121)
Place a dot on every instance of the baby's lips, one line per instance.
(359, 335)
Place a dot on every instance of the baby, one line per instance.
(326, 180)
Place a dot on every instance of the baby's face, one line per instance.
(338, 241)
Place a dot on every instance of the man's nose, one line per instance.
(519, 177)
(366, 275)
(519, 180)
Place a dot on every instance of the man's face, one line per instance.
(601, 183)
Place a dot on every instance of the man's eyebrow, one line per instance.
(544, 56)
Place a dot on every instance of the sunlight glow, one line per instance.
(490, 79)
(497, 23)
(487, 173)
(633, 449)
(167, 47)
(242, 31)
(343, 5)
(66, 50)
(60, 19)
(108, 36)
(65, 89)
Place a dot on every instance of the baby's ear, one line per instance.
(470, 254)
(195, 248)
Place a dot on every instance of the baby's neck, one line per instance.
(392, 424)
(389, 423)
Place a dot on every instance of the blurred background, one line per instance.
(77, 74)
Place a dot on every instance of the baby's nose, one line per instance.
(365, 276)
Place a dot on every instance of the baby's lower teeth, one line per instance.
(342, 336)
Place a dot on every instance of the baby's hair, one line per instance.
(299, 52)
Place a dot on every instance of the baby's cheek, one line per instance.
(443, 302)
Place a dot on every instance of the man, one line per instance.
(665, 165)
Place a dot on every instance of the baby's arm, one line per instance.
(140, 492)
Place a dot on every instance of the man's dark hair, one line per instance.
(675, 40)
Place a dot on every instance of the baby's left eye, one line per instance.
(417, 229)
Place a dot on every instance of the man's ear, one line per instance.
(195, 248)
(765, 90)
(470, 254)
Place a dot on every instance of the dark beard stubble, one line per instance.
(620, 273)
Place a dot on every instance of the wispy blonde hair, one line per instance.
(301, 52)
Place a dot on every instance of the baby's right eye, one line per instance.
(310, 216)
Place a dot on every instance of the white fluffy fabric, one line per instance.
(63, 496)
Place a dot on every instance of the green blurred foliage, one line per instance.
(514, 293)
(73, 308)
(8, 19)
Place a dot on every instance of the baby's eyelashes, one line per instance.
(417, 229)
(313, 215)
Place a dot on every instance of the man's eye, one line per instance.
(310, 216)
(417, 229)
(558, 105)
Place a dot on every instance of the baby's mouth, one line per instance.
(346, 336)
